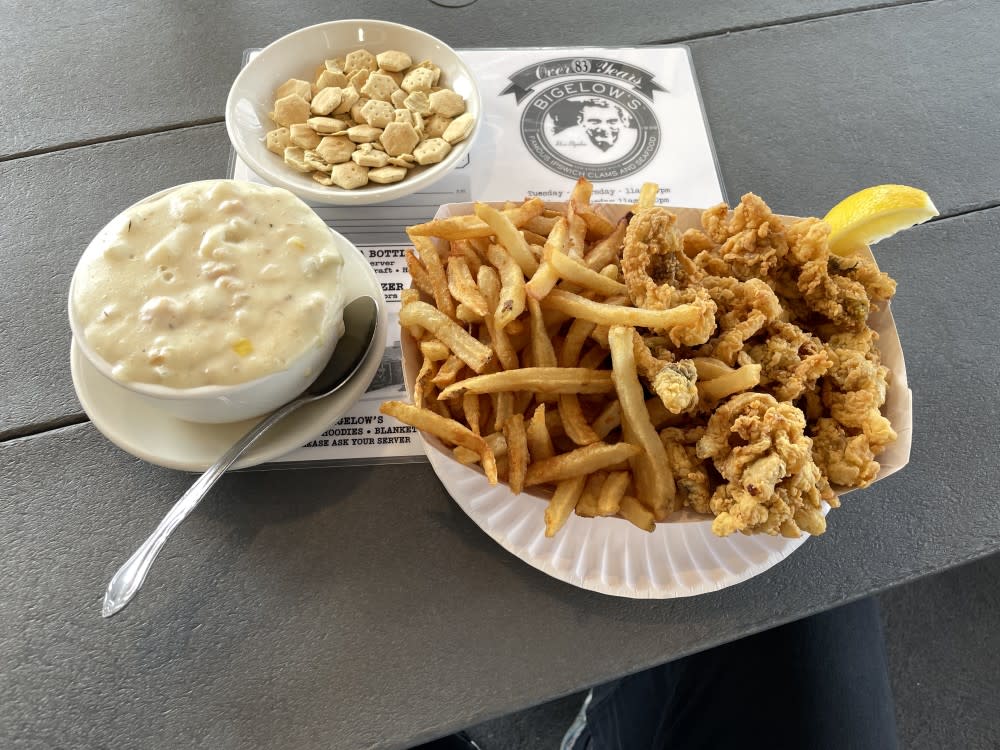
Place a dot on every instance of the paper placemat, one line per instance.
(619, 116)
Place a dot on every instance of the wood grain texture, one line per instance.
(89, 70)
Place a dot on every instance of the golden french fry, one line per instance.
(424, 382)
(582, 190)
(419, 274)
(434, 350)
(522, 400)
(497, 444)
(545, 277)
(611, 271)
(600, 335)
(466, 314)
(463, 287)
(464, 249)
(516, 328)
(579, 462)
(576, 337)
(604, 314)
(536, 379)
(437, 407)
(598, 226)
(574, 422)
(612, 491)
(572, 345)
(577, 232)
(428, 253)
(562, 504)
(490, 467)
(512, 287)
(647, 196)
(594, 357)
(607, 250)
(503, 407)
(472, 227)
(517, 452)
(609, 419)
(553, 423)
(710, 367)
(489, 285)
(650, 467)
(475, 354)
(716, 389)
(542, 353)
(576, 272)
(586, 506)
(509, 236)
(470, 409)
(533, 240)
(465, 456)
(635, 513)
(539, 440)
(447, 372)
(427, 421)
(540, 225)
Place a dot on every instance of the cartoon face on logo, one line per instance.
(590, 130)
(601, 130)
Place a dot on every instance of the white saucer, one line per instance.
(153, 436)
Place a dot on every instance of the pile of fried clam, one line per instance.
(632, 369)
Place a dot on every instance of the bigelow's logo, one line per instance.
(595, 121)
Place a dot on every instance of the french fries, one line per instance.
(475, 354)
(650, 467)
(537, 434)
(605, 314)
(509, 237)
(551, 380)
(512, 289)
(563, 502)
(447, 429)
(464, 288)
(533, 370)
(435, 274)
(580, 462)
(472, 227)
(517, 452)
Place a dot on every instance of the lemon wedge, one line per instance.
(875, 213)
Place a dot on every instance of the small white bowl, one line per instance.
(297, 55)
(216, 404)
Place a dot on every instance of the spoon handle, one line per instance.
(127, 581)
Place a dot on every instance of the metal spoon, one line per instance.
(360, 324)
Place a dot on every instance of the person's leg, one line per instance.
(821, 682)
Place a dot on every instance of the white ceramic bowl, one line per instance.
(297, 55)
(216, 404)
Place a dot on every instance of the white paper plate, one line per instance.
(609, 555)
(156, 437)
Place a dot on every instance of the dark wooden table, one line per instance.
(328, 609)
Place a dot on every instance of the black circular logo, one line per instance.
(597, 129)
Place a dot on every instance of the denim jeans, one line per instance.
(819, 683)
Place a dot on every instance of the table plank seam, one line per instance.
(973, 209)
(69, 146)
(41, 428)
(791, 21)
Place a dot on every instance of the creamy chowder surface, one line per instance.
(215, 283)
